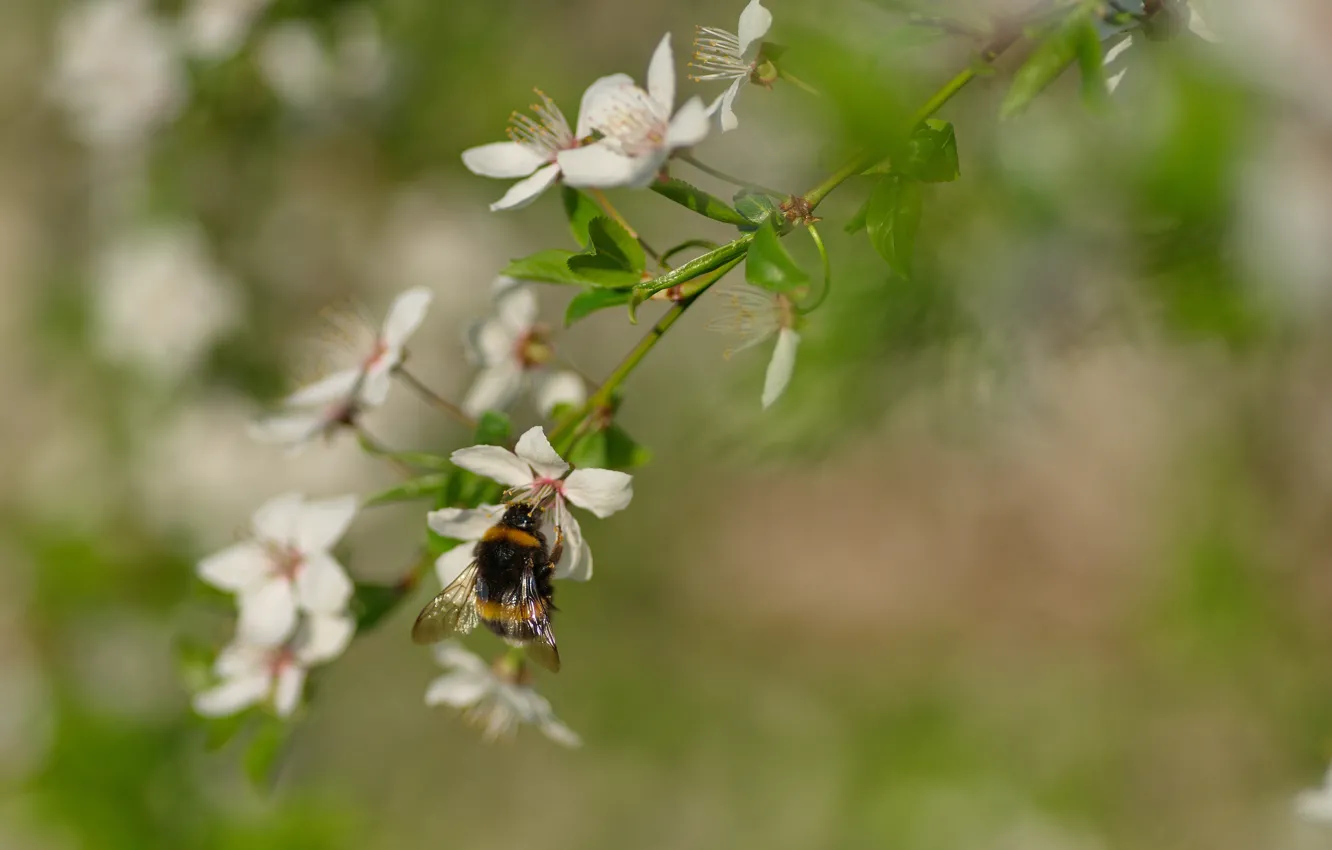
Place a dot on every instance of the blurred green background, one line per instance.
(1031, 556)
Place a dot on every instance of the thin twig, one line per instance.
(433, 398)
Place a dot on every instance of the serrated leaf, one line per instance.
(613, 257)
(1055, 53)
(892, 219)
(693, 198)
(493, 428)
(423, 487)
(263, 751)
(550, 266)
(593, 299)
(622, 452)
(580, 210)
(769, 266)
(932, 153)
(755, 207)
(371, 602)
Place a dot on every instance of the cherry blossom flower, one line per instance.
(216, 29)
(116, 73)
(756, 315)
(252, 673)
(513, 350)
(159, 302)
(309, 75)
(637, 127)
(536, 473)
(1315, 804)
(333, 401)
(496, 698)
(286, 567)
(722, 55)
(535, 145)
(1126, 39)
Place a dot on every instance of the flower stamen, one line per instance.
(546, 130)
(717, 56)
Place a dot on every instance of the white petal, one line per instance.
(504, 160)
(1314, 805)
(451, 564)
(324, 638)
(453, 655)
(601, 491)
(458, 690)
(559, 388)
(534, 448)
(276, 520)
(661, 76)
(1120, 46)
(267, 612)
(236, 567)
(754, 24)
(525, 191)
(405, 316)
(232, 695)
(516, 308)
(289, 429)
(600, 166)
(241, 659)
(334, 388)
(464, 523)
(1200, 28)
(689, 126)
(287, 691)
(1112, 82)
(724, 107)
(377, 383)
(593, 102)
(322, 523)
(490, 342)
(576, 562)
(322, 585)
(780, 366)
(494, 462)
(495, 388)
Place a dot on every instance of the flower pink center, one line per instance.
(377, 354)
(532, 349)
(287, 561)
(280, 659)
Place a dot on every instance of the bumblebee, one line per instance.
(507, 586)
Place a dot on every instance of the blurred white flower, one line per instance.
(513, 349)
(308, 76)
(497, 699)
(534, 146)
(251, 674)
(159, 302)
(537, 474)
(1121, 37)
(117, 73)
(638, 129)
(722, 55)
(754, 316)
(286, 567)
(333, 401)
(216, 29)
(1315, 804)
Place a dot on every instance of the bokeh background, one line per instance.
(1033, 555)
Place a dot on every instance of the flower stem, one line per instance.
(722, 175)
(813, 305)
(622, 221)
(433, 398)
(372, 446)
(797, 82)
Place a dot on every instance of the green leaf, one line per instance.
(892, 219)
(613, 257)
(755, 207)
(692, 198)
(769, 266)
(590, 451)
(220, 731)
(550, 266)
(581, 210)
(592, 299)
(493, 428)
(857, 222)
(423, 487)
(1055, 53)
(261, 756)
(932, 153)
(370, 602)
(622, 452)
(1091, 64)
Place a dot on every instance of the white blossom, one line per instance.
(754, 316)
(159, 302)
(252, 673)
(322, 406)
(216, 29)
(310, 76)
(722, 55)
(537, 474)
(1122, 37)
(286, 567)
(117, 73)
(513, 351)
(638, 130)
(496, 698)
(1315, 804)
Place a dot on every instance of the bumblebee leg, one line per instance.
(557, 551)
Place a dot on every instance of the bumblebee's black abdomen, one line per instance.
(513, 584)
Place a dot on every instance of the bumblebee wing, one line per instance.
(453, 611)
(542, 649)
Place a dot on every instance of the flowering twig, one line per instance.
(434, 399)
